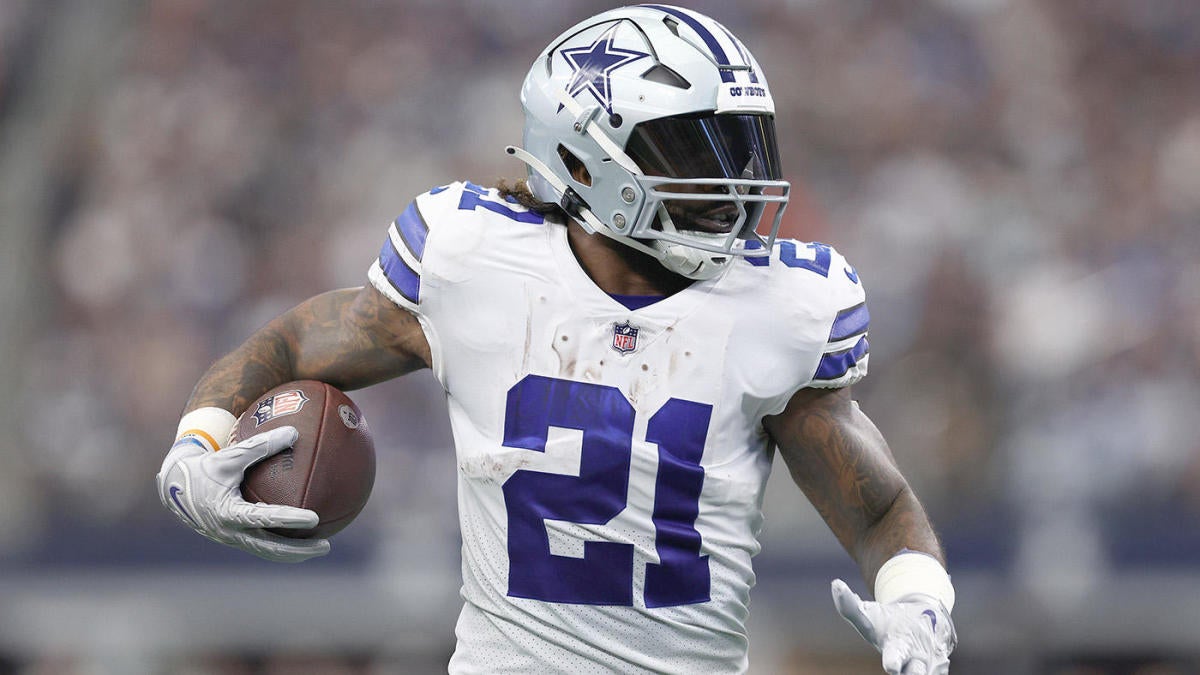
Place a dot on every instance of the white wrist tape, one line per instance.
(910, 572)
(210, 427)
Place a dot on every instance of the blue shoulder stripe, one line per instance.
(403, 278)
(850, 322)
(709, 39)
(413, 230)
(837, 364)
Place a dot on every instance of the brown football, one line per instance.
(331, 467)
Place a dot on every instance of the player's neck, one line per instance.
(618, 269)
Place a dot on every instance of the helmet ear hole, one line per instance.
(575, 166)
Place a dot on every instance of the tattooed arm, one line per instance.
(841, 462)
(350, 338)
(845, 468)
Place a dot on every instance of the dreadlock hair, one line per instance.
(521, 193)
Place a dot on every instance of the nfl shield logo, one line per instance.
(283, 403)
(624, 337)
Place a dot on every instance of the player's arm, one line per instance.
(845, 468)
(842, 463)
(348, 338)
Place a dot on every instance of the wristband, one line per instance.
(909, 572)
(210, 427)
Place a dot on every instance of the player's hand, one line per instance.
(202, 489)
(914, 634)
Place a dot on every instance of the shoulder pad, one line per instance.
(397, 271)
(823, 287)
(461, 208)
(846, 352)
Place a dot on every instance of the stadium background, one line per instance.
(1018, 182)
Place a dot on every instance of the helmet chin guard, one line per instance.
(654, 126)
(690, 262)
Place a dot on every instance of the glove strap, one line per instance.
(912, 572)
(209, 427)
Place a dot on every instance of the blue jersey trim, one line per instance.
(413, 230)
(835, 365)
(850, 322)
(403, 278)
(635, 302)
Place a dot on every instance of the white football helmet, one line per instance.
(654, 125)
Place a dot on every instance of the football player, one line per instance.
(624, 345)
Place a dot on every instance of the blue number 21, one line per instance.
(604, 575)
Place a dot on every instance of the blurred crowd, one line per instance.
(1017, 181)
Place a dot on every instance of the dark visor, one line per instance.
(707, 146)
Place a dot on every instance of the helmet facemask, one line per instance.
(709, 181)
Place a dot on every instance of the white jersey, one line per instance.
(611, 462)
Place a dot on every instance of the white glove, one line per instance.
(202, 489)
(914, 634)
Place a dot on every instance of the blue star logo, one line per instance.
(594, 63)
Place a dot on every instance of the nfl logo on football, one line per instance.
(624, 337)
(284, 403)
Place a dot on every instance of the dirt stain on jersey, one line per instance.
(494, 467)
(567, 351)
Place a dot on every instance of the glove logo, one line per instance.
(175, 490)
(932, 617)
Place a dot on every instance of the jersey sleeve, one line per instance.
(397, 271)
(844, 356)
